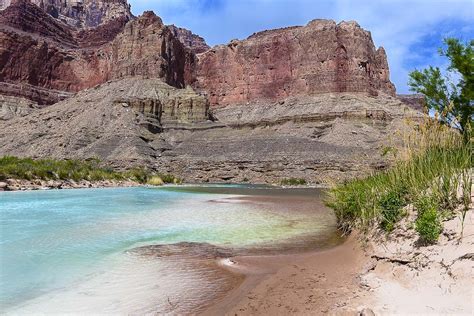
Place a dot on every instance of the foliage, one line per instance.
(433, 159)
(391, 206)
(466, 179)
(155, 180)
(428, 223)
(77, 170)
(453, 102)
(293, 181)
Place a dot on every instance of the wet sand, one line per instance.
(308, 274)
(310, 280)
(317, 282)
(388, 276)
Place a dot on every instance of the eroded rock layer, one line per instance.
(120, 122)
(81, 13)
(320, 57)
(39, 53)
(136, 122)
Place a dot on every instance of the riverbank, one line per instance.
(384, 276)
(31, 185)
(317, 282)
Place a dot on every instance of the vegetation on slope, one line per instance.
(77, 170)
(432, 174)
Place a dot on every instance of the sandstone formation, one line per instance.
(272, 65)
(43, 59)
(322, 139)
(193, 42)
(81, 13)
(11, 107)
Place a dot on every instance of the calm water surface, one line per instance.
(66, 250)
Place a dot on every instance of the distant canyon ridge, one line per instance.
(88, 79)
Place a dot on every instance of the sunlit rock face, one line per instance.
(194, 42)
(42, 58)
(81, 13)
(320, 57)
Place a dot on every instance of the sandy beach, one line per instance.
(384, 276)
(309, 283)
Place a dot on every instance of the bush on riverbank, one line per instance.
(77, 170)
(434, 164)
(293, 181)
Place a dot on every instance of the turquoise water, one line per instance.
(51, 240)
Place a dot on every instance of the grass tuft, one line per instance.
(434, 160)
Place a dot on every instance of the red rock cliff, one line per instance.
(81, 13)
(40, 54)
(320, 57)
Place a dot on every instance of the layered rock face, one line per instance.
(144, 122)
(42, 58)
(193, 42)
(81, 13)
(11, 107)
(120, 122)
(312, 102)
(320, 57)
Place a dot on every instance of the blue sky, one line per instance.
(410, 31)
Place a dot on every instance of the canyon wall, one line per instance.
(40, 57)
(320, 57)
(312, 102)
(81, 13)
(193, 42)
(40, 52)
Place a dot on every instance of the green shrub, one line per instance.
(155, 180)
(392, 204)
(428, 224)
(293, 181)
(168, 178)
(434, 162)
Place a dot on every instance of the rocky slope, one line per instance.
(272, 65)
(120, 122)
(81, 13)
(137, 121)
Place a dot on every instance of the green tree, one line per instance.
(452, 101)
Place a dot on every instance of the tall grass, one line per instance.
(77, 170)
(433, 163)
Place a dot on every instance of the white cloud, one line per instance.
(396, 25)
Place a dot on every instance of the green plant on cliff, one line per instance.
(452, 101)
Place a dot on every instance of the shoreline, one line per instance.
(369, 276)
(299, 283)
(12, 185)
